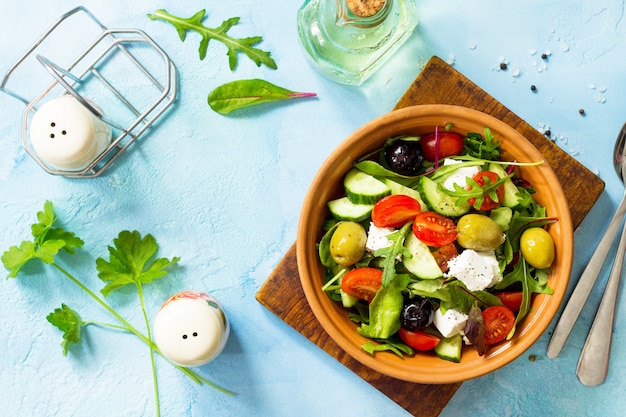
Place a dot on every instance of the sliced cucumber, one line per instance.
(450, 348)
(438, 201)
(343, 209)
(422, 264)
(347, 300)
(511, 199)
(397, 188)
(362, 188)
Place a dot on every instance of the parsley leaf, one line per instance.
(234, 45)
(47, 243)
(129, 262)
(69, 322)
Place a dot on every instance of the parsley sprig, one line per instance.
(131, 262)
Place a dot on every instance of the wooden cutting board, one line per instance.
(438, 83)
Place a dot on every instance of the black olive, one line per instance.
(417, 313)
(404, 157)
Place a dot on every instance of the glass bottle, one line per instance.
(347, 40)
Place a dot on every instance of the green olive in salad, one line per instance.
(436, 244)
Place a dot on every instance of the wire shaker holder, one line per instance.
(114, 76)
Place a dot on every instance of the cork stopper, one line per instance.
(365, 8)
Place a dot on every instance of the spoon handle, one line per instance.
(588, 278)
(594, 358)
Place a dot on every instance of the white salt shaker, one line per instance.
(67, 135)
(190, 328)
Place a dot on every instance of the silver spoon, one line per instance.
(580, 294)
(594, 358)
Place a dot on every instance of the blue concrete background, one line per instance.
(224, 194)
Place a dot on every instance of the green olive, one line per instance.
(479, 232)
(537, 247)
(347, 244)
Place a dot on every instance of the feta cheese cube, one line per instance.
(451, 322)
(477, 270)
(377, 237)
(459, 176)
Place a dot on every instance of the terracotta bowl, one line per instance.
(327, 185)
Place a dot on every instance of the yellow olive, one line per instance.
(537, 247)
(347, 244)
(479, 232)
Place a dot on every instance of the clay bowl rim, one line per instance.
(426, 367)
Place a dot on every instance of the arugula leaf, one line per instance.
(245, 93)
(483, 148)
(69, 322)
(128, 262)
(234, 45)
(475, 191)
(391, 252)
(532, 281)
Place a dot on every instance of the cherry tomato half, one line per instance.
(512, 300)
(362, 283)
(450, 144)
(434, 229)
(499, 322)
(488, 203)
(395, 210)
(443, 254)
(418, 340)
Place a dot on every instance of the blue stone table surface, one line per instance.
(224, 193)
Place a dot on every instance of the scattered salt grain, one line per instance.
(472, 46)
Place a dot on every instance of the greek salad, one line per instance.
(436, 244)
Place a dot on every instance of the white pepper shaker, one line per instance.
(67, 135)
(190, 328)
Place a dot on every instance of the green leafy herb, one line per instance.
(129, 263)
(486, 147)
(476, 191)
(384, 310)
(69, 322)
(234, 45)
(391, 345)
(391, 252)
(532, 281)
(245, 93)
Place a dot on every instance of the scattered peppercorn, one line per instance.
(533, 88)
(581, 112)
(544, 56)
(547, 133)
(502, 65)
(532, 358)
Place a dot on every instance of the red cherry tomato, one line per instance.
(434, 229)
(450, 144)
(395, 210)
(499, 322)
(418, 340)
(512, 300)
(362, 283)
(488, 203)
(443, 254)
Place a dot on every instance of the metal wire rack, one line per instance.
(115, 76)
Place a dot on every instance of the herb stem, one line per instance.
(129, 327)
(148, 330)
